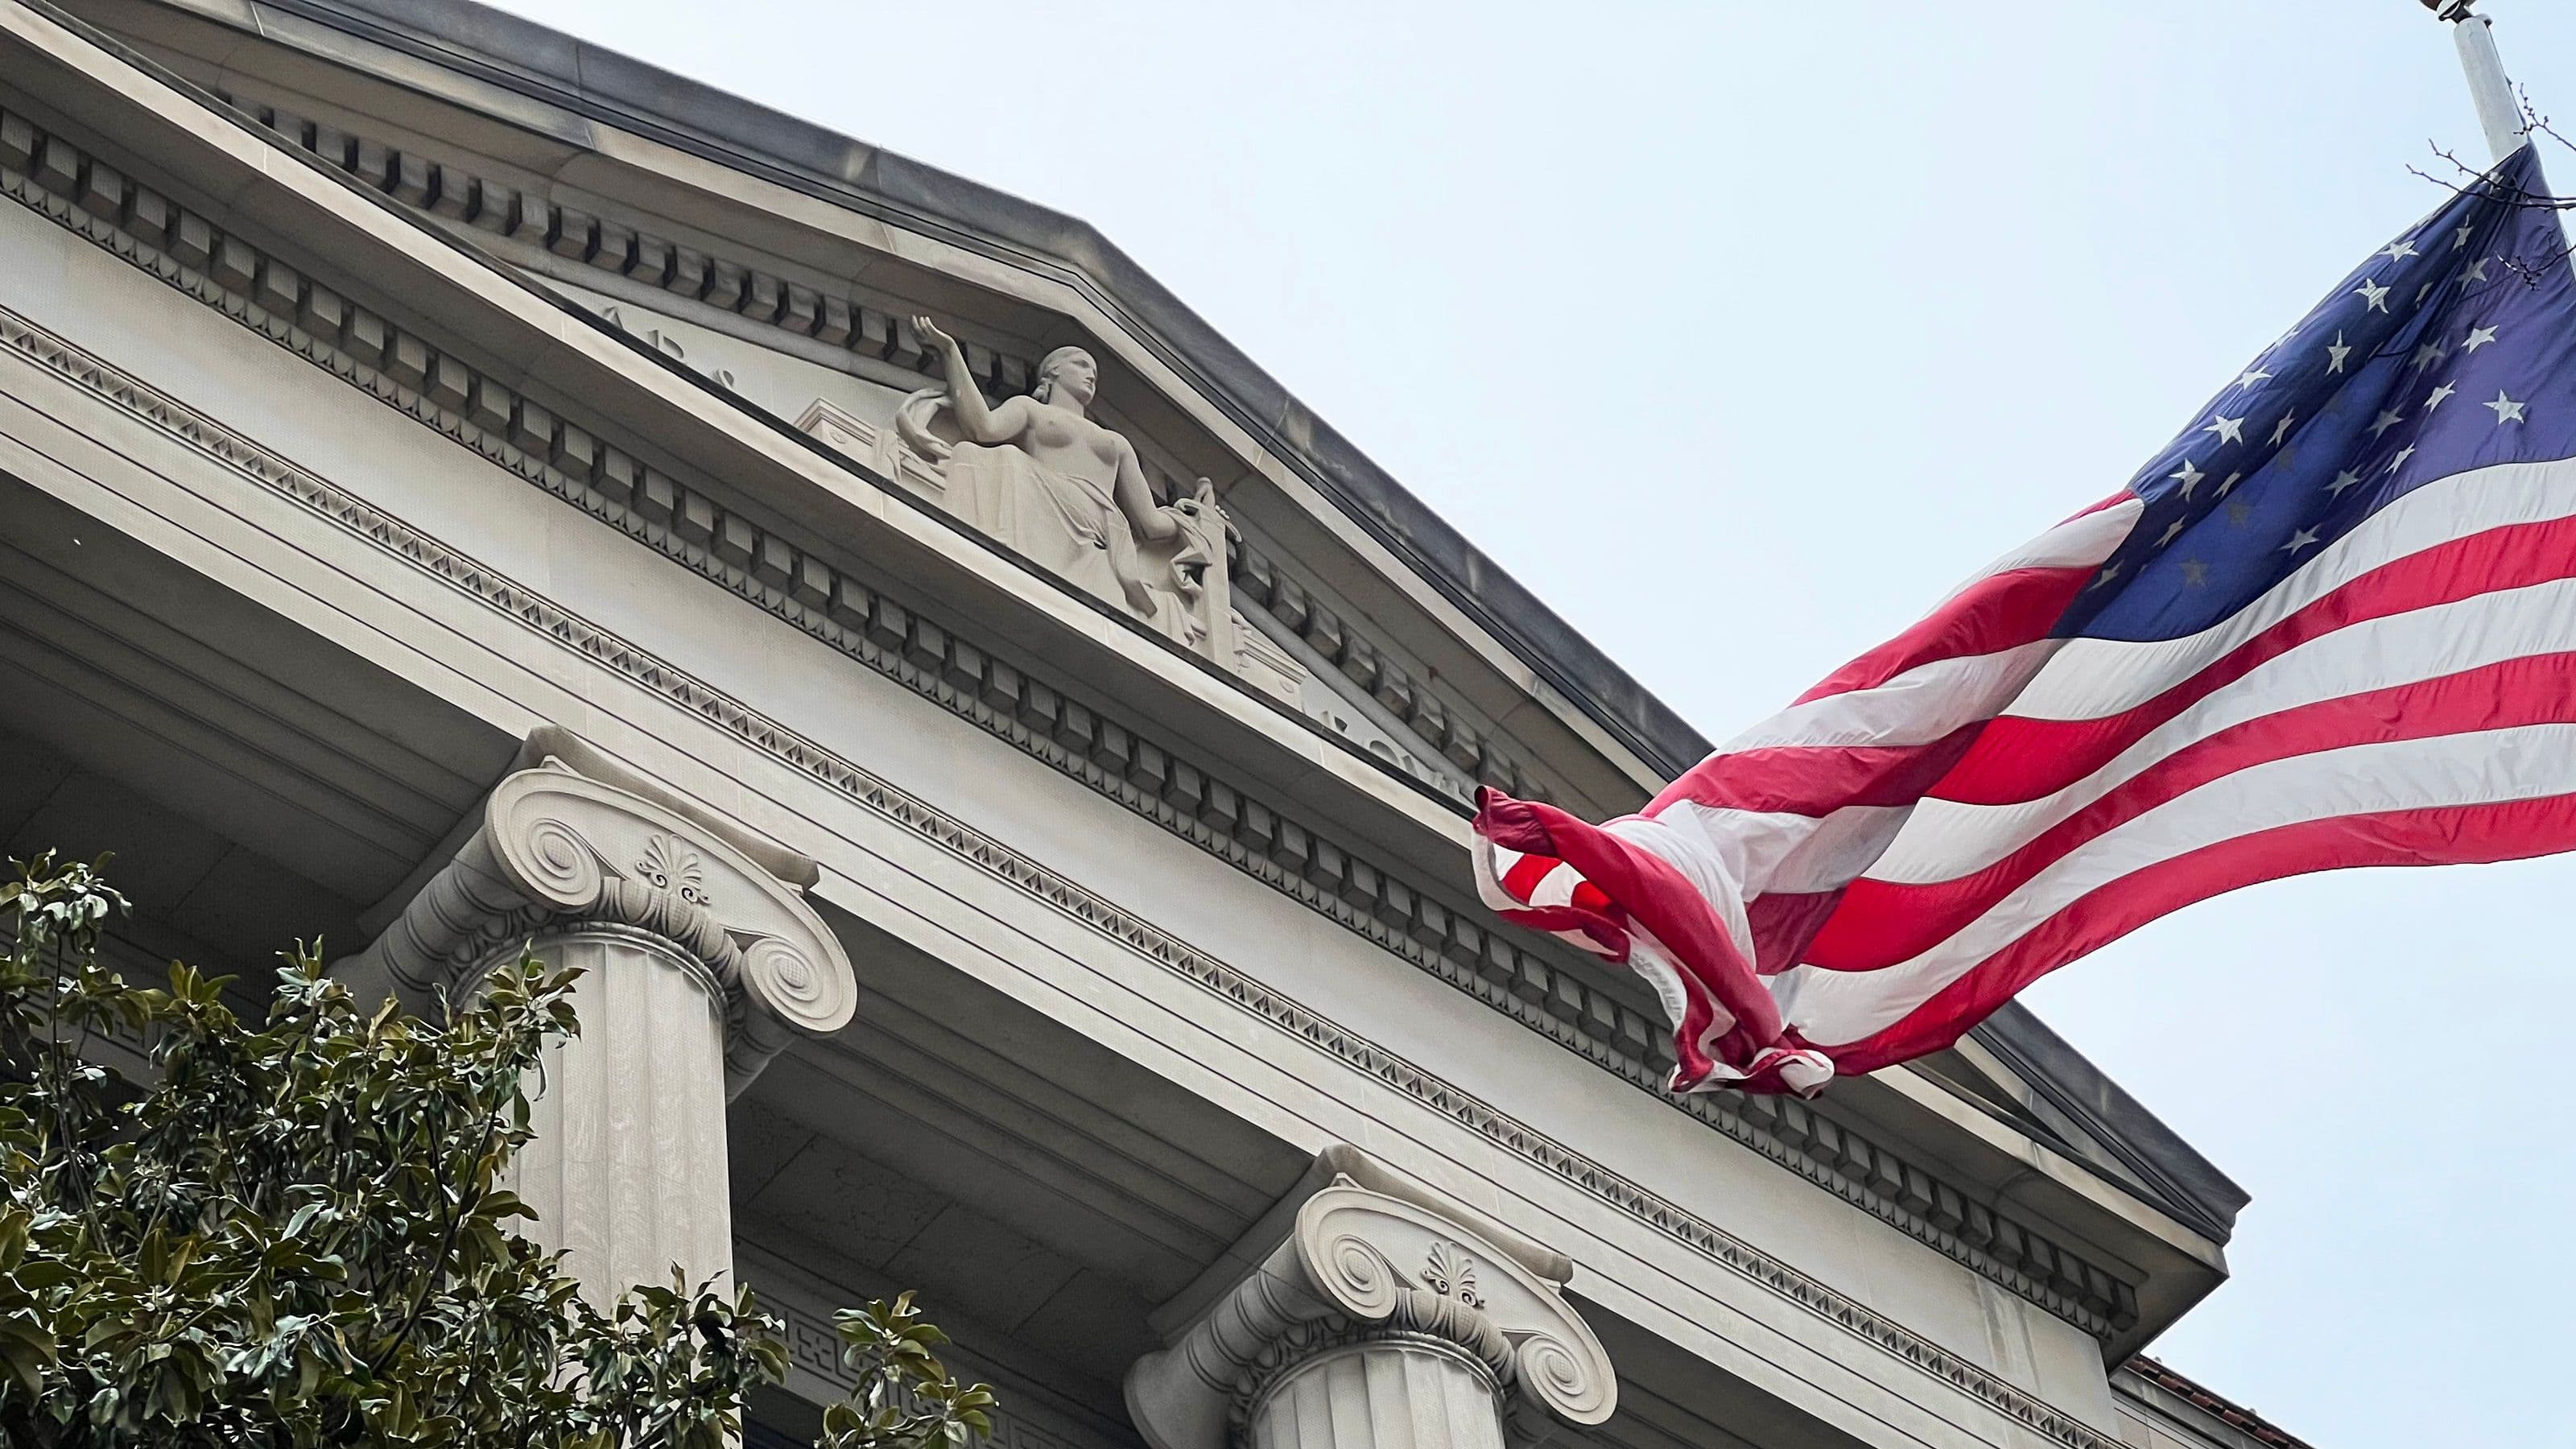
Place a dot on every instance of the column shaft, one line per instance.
(1384, 1394)
(627, 1169)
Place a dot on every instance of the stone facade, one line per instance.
(1006, 791)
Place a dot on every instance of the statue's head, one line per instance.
(1071, 370)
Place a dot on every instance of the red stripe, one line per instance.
(1819, 779)
(1658, 898)
(1783, 925)
(2442, 835)
(1606, 935)
(1884, 922)
(2020, 759)
(1999, 612)
(1522, 880)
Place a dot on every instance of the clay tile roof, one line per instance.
(2236, 1416)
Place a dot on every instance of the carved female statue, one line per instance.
(1074, 499)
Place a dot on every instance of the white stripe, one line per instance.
(1776, 851)
(1915, 708)
(1707, 869)
(1946, 840)
(1489, 861)
(2096, 677)
(2079, 542)
(1653, 960)
(1556, 888)
(1832, 1007)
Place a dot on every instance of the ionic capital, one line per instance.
(557, 850)
(1385, 1264)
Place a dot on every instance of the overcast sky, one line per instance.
(1740, 331)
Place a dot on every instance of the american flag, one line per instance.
(2332, 624)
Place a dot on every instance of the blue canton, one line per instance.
(2452, 348)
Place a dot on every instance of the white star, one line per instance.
(2403, 454)
(2188, 476)
(2229, 430)
(2387, 420)
(2506, 409)
(2106, 576)
(2281, 429)
(2342, 480)
(2237, 513)
(2251, 376)
(2398, 251)
(2421, 293)
(2304, 538)
(2460, 238)
(2194, 572)
(2477, 271)
(2439, 393)
(2229, 485)
(2427, 355)
(2373, 296)
(2478, 337)
(2336, 352)
(2172, 531)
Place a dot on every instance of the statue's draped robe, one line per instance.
(1072, 526)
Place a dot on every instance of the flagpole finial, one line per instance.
(2454, 11)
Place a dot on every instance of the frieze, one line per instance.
(900, 643)
(963, 842)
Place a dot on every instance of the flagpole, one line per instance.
(2498, 112)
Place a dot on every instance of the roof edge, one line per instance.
(2074, 1085)
(560, 69)
(2208, 1401)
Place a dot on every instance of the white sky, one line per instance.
(1741, 330)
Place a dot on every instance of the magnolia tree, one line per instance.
(297, 1234)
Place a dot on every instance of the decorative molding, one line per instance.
(1440, 724)
(559, 851)
(1338, 1278)
(407, 545)
(812, 595)
(668, 864)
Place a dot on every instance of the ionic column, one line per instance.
(1384, 1318)
(698, 966)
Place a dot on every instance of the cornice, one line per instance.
(405, 372)
(872, 342)
(401, 543)
(585, 85)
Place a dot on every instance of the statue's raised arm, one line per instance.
(979, 422)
